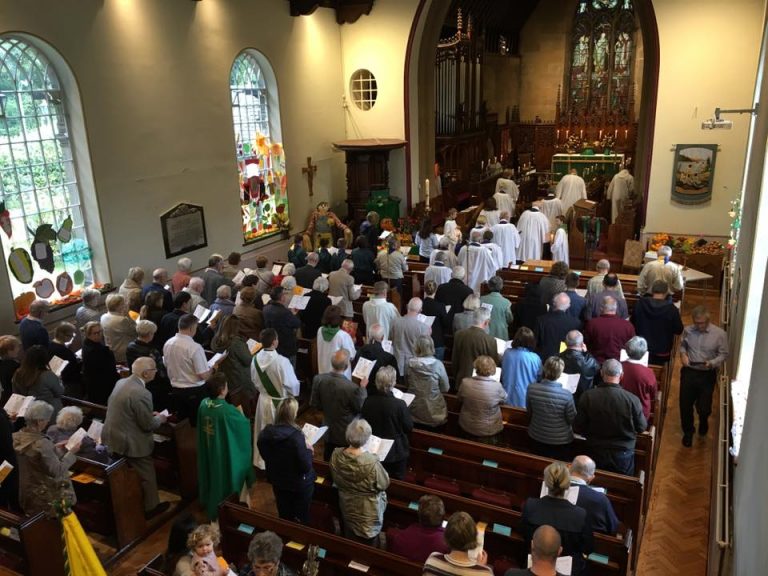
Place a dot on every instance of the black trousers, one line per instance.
(294, 505)
(186, 401)
(696, 387)
(397, 469)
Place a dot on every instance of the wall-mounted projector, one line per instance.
(716, 124)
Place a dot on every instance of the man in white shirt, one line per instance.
(187, 368)
(274, 378)
(661, 269)
(571, 189)
(506, 236)
(378, 311)
(438, 272)
(477, 260)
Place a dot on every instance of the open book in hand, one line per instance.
(572, 494)
(56, 365)
(406, 397)
(205, 315)
(502, 346)
(363, 368)
(216, 359)
(563, 564)
(428, 320)
(313, 433)
(76, 438)
(253, 346)
(378, 446)
(299, 302)
(94, 430)
(18, 404)
(335, 300)
(569, 381)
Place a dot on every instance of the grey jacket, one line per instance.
(340, 283)
(362, 482)
(427, 380)
(405, 331)
(481, 399)
(43, 474)
(340, 400)
(129, 423)
(47, 388)
(551, 411)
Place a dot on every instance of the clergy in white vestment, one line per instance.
(477, 260)
(498, 255)
(560, 242)
(490, 212)
(571, 189)
(552, 207)
(451, 230)
(506, 195)
(437, 272)
(274, 378)
(534, 233)
(622, 186)
(330, 339)
(506, 236)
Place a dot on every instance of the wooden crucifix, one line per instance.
(310, 170)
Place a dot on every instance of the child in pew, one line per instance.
(203, 541)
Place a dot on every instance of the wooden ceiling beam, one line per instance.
(347, 11)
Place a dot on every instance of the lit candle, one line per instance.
(616, 134)
(567, 133)
(482, 165)
(581, 134)
(426, 185)
(558, 135)
(601, 135)
(626, 133)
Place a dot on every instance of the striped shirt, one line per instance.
(443, 565)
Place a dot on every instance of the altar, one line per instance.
(609, 164)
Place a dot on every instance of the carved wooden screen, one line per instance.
(601, 56)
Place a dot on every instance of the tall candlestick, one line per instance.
(626, 133)
(558, 135)
(601, 135)
(581, 134)
(482, 165)
(616, 134)
(567, 133)
(426, 187)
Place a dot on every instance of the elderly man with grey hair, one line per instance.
(342, 284)
(578, 361)
(389, 417)
(43, 470)
(611, 418)
(90, 311)
(339, 399)
(607, 334)
(405, 331)
(31, 328)
(128, 429)
(501, 308)
(307, 274)
(595, 284)
(454, 292)
(362, 482)
(375, 350)
(638, 378)
(444, 248)
(661, 269)
(471, 343)
(552, 327)
(223, 303)
(479, 262)
(195, 289)
(159, 282)
(595, 502)
(264, 553)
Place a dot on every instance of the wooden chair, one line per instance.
(634, 252)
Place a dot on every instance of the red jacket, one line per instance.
(606, 335)
(641, 381)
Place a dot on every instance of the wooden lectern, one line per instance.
(576, 247)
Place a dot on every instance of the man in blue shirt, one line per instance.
(31, 329)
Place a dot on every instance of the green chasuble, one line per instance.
(224, 452)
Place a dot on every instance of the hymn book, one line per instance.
(502, 346)
(204, 315)
(253, 346)
(56, 365)
(378, 446)
(276, 269)
(239, 277)
(569, 381)
(76, 439)
(563, 565)
(387, 345)
(363, 368)
(623, 357)
(428, 320)
(313, 433)
(18, 404)
(406, 397)
(216, 358)
(299, 302)
(94, 430)
(335, 300)
(572, 494)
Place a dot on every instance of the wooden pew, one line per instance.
(503, 536)
(238, 524)
(153, 568)
(30, 546)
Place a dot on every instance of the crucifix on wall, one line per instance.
(310, 170)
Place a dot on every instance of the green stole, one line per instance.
(274, 395)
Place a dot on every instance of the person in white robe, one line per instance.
(490, 212)
(560, 242)
(506, 196)
(622, 186)
(506, 236)
(438, 272)
(498, 255)
(552, 207)
(330, 339)
(449, 256)
(478, 261)
(571, 189)
(275, 379)
(534, 233)
(451, 230)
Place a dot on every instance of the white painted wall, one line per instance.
(709, 53)
(154, 84)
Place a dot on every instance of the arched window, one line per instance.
(258, 145)
(601, 57)
(43, 229)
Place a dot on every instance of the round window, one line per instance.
(363, 88)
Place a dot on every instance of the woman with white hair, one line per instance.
(144, 345)
(362, 482)
(68, 420)
(43, 472)
(465, 319)
(223, 303)
(118, 328)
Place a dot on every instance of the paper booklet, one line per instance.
(299, 302)
(406, 397)
(253, 346)
(18, 404)
(502, 346)
(428, 320)
(563, 565)
(572, 494)
(378, 446)
(239, 277)
(313, 433)
(487, 306)
(335, 300)
(363, 368)
(94, 430)
(384, 234)
(581, 292)
(204, 315)
(276, 269)
(569, 381)
(265, 299)
(405, 250)
(56, 365)
(216, 358)
(623, 357)
(496, 376)
(387, 345)
(5, 469)
(75, 439)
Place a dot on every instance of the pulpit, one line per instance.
(367, 170)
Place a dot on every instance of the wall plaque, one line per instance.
(183, 229)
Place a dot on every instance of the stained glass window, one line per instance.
(258, 147)
(43, 233)
(601, 57)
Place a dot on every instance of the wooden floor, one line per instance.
(677, 529)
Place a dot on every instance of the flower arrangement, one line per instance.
(686, 244)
